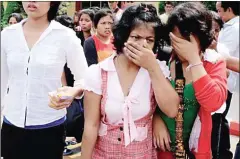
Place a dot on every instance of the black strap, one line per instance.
(178, 69)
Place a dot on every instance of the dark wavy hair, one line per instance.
(52, 13)
(17, 16)
(95, 9)
(192, 18)
(217, 19)
(89, 12)
(132, 17)
(235, 5)
(65, 20)
(100, 14)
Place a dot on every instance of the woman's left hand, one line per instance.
(140, 55)
(62, 98)
(189, 50)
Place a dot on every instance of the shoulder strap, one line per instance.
(182, 149)
(179, 87)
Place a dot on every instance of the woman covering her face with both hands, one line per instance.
(33, 54)
(199, 76)
(120, 92)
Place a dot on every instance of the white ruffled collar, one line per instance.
(211, 55)
(108, 65)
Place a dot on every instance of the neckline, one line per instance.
(43, 34)
(133, 84)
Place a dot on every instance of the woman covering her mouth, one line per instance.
(121, 92)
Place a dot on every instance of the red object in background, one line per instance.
(235, 128)
(164, 155)
(78, 5)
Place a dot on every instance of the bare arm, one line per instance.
(166, 97)
(233, 63)
(92, 122)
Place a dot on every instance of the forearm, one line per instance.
(211, 89)
(197, 71)
(233, 64)
(165, 95)
(78, 91)
(88, 142)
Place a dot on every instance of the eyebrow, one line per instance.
(141, 36)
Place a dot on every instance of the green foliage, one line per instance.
(2, 10)
(2, 13)
(161, 7)
(63, 8)
(209, 4)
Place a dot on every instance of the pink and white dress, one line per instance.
(126, 121)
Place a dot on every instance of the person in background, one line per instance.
(228, 41)
(85, 22)
(117, 12)
(199, 76)
(217, 25)
(14, 18)
(233, 63)
(220, 138)
(168, 7)
(165, 52)
(95, 9)
(99, 46)
(65, 20)
(76, 21)
(229, 38)
(120, 92)
(125, 4)
(33, 55)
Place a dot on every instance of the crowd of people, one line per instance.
(125, 81)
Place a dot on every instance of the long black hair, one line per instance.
(52, 13)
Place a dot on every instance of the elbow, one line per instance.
(173, 109)
(173, 112)
(214, 102)
(90, 133)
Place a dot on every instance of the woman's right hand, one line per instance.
(161, 137)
